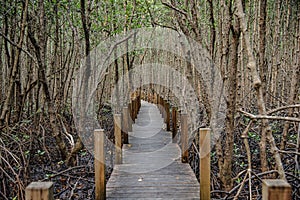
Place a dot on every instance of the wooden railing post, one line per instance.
(276, 189)
(163, 105)
(118, 139)
(167, 107)
(152, 97)
(184, 138)
(159, 104)
(129, 118)
(139, 103)
(204, 150)
(39, 190)
(136, 107)
(125, 124)
(174, 124)
(100, 188)
(132, 110)
(164, 113)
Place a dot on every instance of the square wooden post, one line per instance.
(100, 190)
(39, 190)
(184, 138)
(139, 102)
(130, 120)
(276, 189)
(168, 116)
(135, 108)
(132, 110)
(160, 104)
(204, 150)
(118, 138)
(174, 124)
(164, 111)
(125, 124)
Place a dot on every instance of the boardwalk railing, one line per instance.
(271, 189)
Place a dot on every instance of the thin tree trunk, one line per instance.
(263, 72)
(40, 51)
(258, 88)
(294, 89)
(226, 170)
(86, 29)
(12, 79)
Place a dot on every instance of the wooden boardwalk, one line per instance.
(151, 167)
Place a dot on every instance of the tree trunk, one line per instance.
(258, 88)
(226, 169)
(294, 89)
(40, 52)
(16, 58)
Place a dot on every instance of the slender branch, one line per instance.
(15, 45)
(289, 152)
(64, 171)
(165, 26)
(174, 8)
(253, 176)
(241, 187)
(239, 174)
(293, 119)
(153, 22)
(283, 108)
(297, 148)
(117, 43)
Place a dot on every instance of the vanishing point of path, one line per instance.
(152, 167)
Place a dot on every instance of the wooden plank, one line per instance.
(174, 124)
(276, 189)
(125, 124)
(39, 190)
(184, 137)
(204, 150)
(100, 190)
(118, 139)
